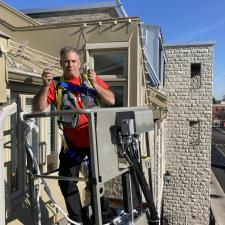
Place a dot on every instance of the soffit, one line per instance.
(25, 61)
(50, 38)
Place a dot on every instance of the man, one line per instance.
(76, 144)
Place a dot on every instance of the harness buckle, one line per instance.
(89, 92)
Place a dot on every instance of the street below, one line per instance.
(218, 155)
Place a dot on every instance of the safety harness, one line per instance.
(65, 98)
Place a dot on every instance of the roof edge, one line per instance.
(110, 4)
(19, 13)
(182, 44)
(80, 23)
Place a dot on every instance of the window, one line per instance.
(195, 75)
(109, 64)
(120, 90)
(194, 132)
(110, 61)
(119, 95)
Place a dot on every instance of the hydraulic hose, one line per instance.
(144, 186)
(130, 152)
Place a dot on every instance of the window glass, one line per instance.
(195, 69)
(119, 95)
(109, 63)
(112, 67)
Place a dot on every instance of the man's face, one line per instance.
(70, 63)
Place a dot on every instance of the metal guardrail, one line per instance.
(80, 111)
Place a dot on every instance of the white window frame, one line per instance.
(113, 80)
(109, 46)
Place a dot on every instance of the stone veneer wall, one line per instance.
(186, 198)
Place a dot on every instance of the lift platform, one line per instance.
(115, 150)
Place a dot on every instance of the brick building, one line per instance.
(188, 84)
(219, 114)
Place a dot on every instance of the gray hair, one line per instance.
(67, 49)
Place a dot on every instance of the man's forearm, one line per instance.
(40, 100)
(105, 94)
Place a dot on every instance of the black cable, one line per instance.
(131, 155)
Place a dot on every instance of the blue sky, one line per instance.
(180, 21)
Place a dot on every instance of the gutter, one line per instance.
(4, 113)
